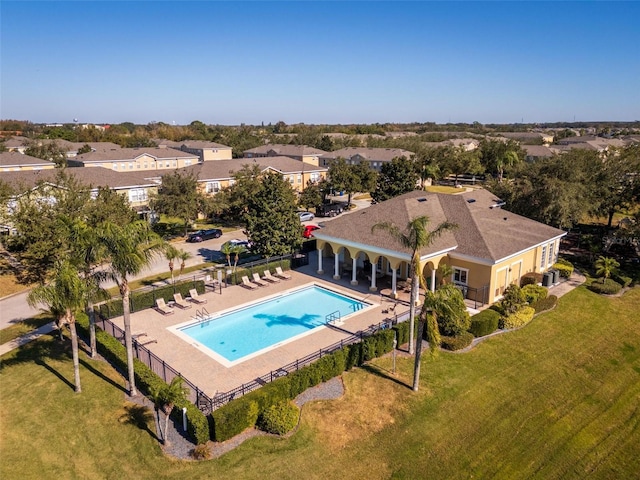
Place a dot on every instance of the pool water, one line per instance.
(266, 324)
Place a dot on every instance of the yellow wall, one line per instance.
(143, 163)
(213, 154)
(22, 168)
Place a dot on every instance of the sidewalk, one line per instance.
(18, 342)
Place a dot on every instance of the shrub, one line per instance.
(609, 287)
(458, 342)
(533, 293)
(545, 304)
(518, 319)
(622, 280)
(484, 323)
(234, 418)
(201, 452)
(455, 320)
(279, 418)
(564, 267)
(512, 300)
(531, 278)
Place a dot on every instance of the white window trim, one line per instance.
(453, 275)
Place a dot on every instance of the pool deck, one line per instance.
(211, 376)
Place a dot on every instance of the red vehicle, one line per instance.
(308, 229)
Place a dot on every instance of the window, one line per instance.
(131, 166)
(551, 252)
(115, 166)
(460, 275)
(299, 178)
(315, 177)
(232, 182)
(137, 195)
(213, 187)
(543, 258)
(123, 166)
(187, 163)
(291, 178)
(146, 165)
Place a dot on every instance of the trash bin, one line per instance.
(547, 279)
(556, 276)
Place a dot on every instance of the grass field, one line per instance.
(9, 285)
(559, 398)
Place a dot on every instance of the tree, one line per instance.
(458, 161)
(311, 196)
(171, 253)
(508, 159)
(605, 267)
(183, 256)
(246, 185)
(65, 295)
(351, 178)
(454, 319)
(84, 149)
(271, 221)
(179, 196)
(130, 248)
(164, 397)
(495, 155)
(50, 151)
(415, 237)
(396, 177)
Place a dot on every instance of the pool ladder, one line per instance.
(202, 315)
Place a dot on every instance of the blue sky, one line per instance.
(319, 62)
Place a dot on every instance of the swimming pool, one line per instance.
(235, 336)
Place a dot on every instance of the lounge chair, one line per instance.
(162, 307)
(270, 278)
(280, 274)
(195, 298)
(258, 281)
(180, 302)
(247, 284)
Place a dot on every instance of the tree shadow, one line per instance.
(44, 364)
(139, 416)
(383, 373)
(101, 375)
(47, 346)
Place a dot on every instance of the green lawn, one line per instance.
(559, 398)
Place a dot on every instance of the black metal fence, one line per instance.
(207, 404)
(479, 296)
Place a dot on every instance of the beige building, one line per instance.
(374, 157)
(490, 249)
(214, 176)
(135, 159)
(206, 151)
(304, 153)
(15, 161)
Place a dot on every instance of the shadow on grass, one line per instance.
(101, 375)
(384, 373)
(139, 416)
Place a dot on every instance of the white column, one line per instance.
(320, 271)
(394, 283)
(433, 280)
(336, 267)
(354, 267)
(372, 287)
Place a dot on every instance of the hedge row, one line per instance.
(115, 353)
(530, 278)
(545, 304)
(140, 300)
(518, 319)
(484, 322)
(608, 287)
(236, 277)
(533, 293)
(564, 267)
(238, 415)
(622, 280)
(456, 343)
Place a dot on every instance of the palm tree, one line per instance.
(183, 256)
(434, 303)
(130, 249)
(171, 253)
(164, 398)
(605, 266)
(236, 250)
(415, 237)
(227, 250)
(65, 295)
(445, 270)
(508, 159)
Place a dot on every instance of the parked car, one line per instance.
(236, 242)
(202, 235)
(306, 216)
(329, 209)
(308, 230)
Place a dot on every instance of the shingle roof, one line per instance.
(16, 159)
(286, 150)
(539, 151)
(484, 233)
(223, 169)
(201, 144)
(119, 154)
(371, 154)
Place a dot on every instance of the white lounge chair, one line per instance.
(258, 281)
(162, 307)
(247, 284)
(280, 274)
(195, 298)
(180, 302)
(270, 278)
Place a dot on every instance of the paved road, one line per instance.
(15, 308)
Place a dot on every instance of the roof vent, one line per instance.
(471, 200)
(504, 218)
(497, 205)
(422, 199)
